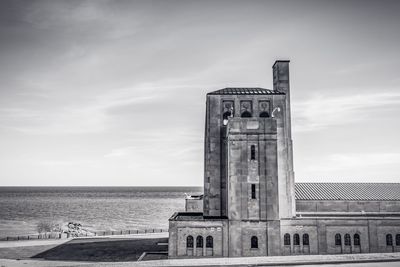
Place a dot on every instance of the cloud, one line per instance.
(322, 111)
(354, 161)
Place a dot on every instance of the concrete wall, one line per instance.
(383, 228)
(215, 168)
(193, 205)
(240, 234)
(244, 172)
(322, 231)
(180, 230)
(346, 206)
(281, 82)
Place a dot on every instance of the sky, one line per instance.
(112, 93)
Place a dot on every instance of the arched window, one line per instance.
(296, 240)
(398, 240)
(347, 240)
(225, 117)
(189, 241)
(246, 114)
(253, 152)
(264, 114)
(253, 191)
(357, 240)
(286, 240)
(209, 242)
(306, 240)
(254, 242)
(389, 240)
(338, 240)
(199, 241)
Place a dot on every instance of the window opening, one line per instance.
(389, 240)
(246, 114)
(209, 242)
(199, 242)
(225, 117)
(253, 191)
(189, 241)
(347, 240)
(306, 240)
(254, 242)
(296, 240)
(338, 240)
(286, 240)
(357, 240)
(253, 152)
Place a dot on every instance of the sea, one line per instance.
(95, 208)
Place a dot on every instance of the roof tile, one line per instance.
(245, 91)
(348, 191)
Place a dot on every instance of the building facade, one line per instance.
(251, 205)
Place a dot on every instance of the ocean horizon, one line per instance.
(96, 208)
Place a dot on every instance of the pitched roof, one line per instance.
(245, 91)
(347, 191)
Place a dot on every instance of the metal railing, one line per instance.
(57, 235)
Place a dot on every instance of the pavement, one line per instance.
(344, 260)
(123, 251)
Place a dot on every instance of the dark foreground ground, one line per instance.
(93, 249)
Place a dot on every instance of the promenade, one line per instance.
(359, 260)
(124, 251)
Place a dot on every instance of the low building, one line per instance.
(251, 205)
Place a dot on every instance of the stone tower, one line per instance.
(248, 152)
(249, 200)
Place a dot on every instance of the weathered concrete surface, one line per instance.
(281, 82)
(180, 230)
(318, 206)
(359, 260)
(194, 204)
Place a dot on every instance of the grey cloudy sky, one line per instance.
(113, 92)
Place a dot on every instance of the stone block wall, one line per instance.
(180, 230)
(315, 206)
(193, 205)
